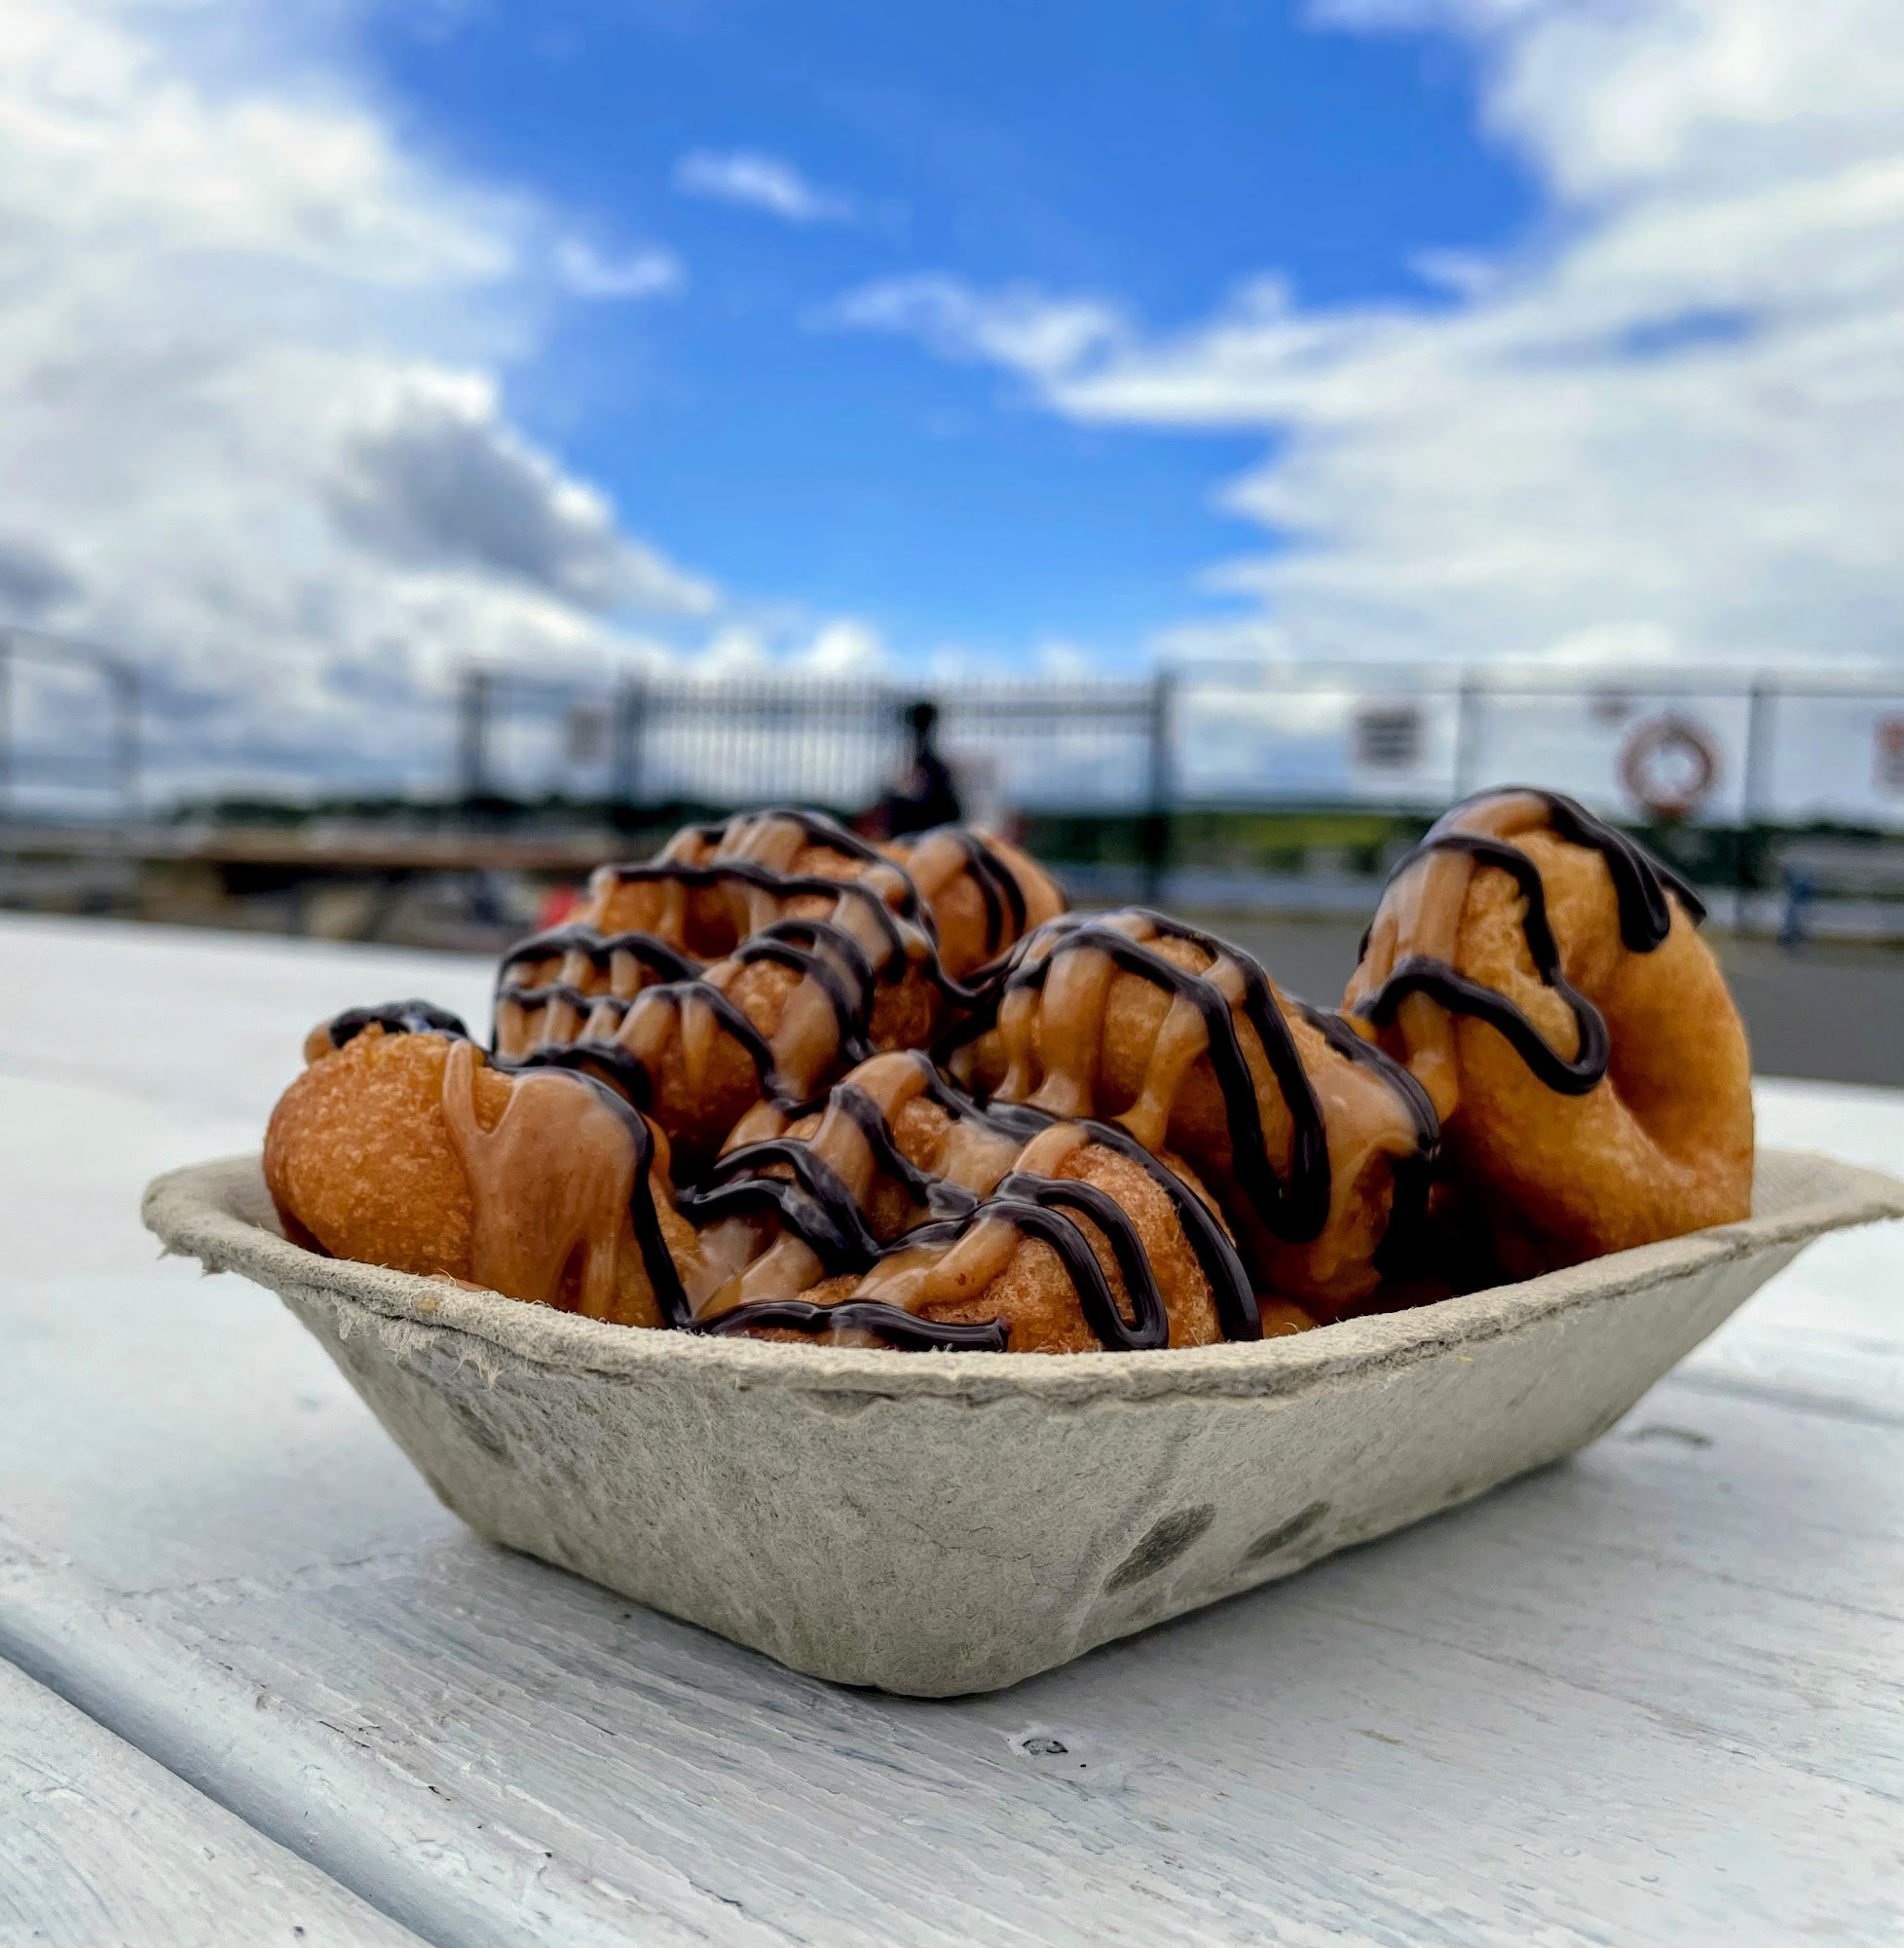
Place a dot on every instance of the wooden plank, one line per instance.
(1642, 1697)
(207, 1024)
(1649, 1696)
(99, 1846)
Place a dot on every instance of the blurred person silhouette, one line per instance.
(924, 794)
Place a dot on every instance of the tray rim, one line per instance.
(198, 1211)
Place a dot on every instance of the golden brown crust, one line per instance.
(409, 1148)
(1098, 1040)
(1660, 1145)
(873, 966)
(359, 1154)
(361, 1157)
(371, 1155)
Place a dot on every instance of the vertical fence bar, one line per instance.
(474, 707)
(1159, 787)
(1755, 793)
(6, 725)
(126, 754)
(1467, 700)
(1755, 790)
(626, 729)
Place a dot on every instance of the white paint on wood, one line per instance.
(99, 1846)
(1651, 1695)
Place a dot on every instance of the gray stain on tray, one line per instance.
(1292, 1530)
(1165, 1541)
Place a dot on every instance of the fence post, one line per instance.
(472, 745)
(6, 725)
(1466, 732)
(625, 742)
(125, 738)
(1754, 794)
(1160, 787)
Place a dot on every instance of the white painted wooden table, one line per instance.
(1649, 1696)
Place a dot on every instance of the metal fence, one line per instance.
(1719, 749)
(1726, 750)
(1085, 746)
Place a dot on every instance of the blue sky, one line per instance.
(344, 343)
(1151, 151)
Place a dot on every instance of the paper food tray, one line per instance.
(936, 1523)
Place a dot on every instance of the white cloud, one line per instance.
(843, 648)
(644, 274)
(251, 427)
(1675, 418)
(750, 181)
(1067, 663)
(428, 474)
(1020, 326)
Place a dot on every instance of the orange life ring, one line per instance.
(1672, 740)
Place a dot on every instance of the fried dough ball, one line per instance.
(905, 1152)
(409, 1150)
(1183, 1041)
(1544, 981)
(829, 950)
(985, 893)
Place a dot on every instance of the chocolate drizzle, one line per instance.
(812, 1203)
(1640, 885)
(394, 1017)
(599, 950)
(816, 1206)
(780, 1212)
(1229, 1284)
(820, 1212)
(1295, 1207)
(997, 884)
(879, 930)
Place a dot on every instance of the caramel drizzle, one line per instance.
(1640, 885)
(550, 1181)
(882, 926)
(998, 1186)
(555, 1175)
(1202, 1021)
(529, 1163)
(1412, 1175)
(997, 884)
(591, 972)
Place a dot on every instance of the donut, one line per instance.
(897, 1214)
(1315, 1144)
(1543, 978)
(712, 887)
(400, 1145)
(827, 949)
(780, 1083)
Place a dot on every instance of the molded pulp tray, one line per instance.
(936, 1523)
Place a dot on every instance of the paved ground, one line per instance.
(1832, 1012)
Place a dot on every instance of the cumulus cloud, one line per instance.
(32, 578)
(434, 478)
(252, 428)
(1674, 419)
(751, 181)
